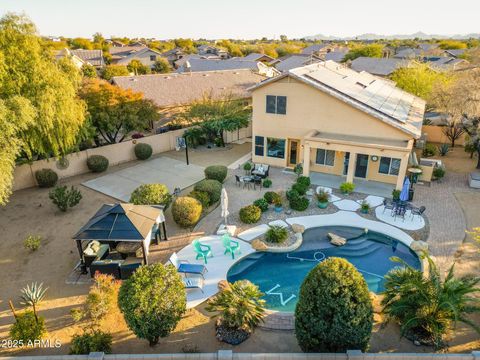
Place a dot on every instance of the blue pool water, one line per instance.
(280, 275)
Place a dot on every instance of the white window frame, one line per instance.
(325, 157)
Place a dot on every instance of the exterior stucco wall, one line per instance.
(144, 58)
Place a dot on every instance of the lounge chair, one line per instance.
(418, 212)
(184, 267)
(231, 246)
(193, 283)
(203, 251)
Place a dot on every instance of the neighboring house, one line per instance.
(123, 55)
(409, 54)
(172, 92)
(377, 66)
(336, 55)
(427, 47)
(194, 65)
(257, 57)
(456, 53)
(114, 43)
(293, 61)
(445, 62)
(81, 57)
(208, 50)
(173, 55)
(339, 123)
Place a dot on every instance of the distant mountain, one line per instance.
(371, 36)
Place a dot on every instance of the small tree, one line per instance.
(161, 66)
(138, 68)
(427, 307)
(151, 194)
(32, 296)
(153, 301)
(334, 312)
(114, 70)
(89, 71)
(102, 298)
(453, 131)
(65, 198)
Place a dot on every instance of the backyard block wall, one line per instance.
(24, 175)
(436, 135)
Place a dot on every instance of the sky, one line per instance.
(247, 19)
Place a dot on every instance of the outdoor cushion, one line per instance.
(191, 268)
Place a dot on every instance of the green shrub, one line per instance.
(46, 178)
(216, 172)
(92, 341)
(212, 187)
(143, 151)
(262, 204)
(247, 166)
(151, 194)
(153, 300)
(26, 328)
(334, 312)
(250, 214)
(97, 163)
(101, 298)
(300, 188)
(65, 198)
(438, 172)
(240, 305)
(298, 169)
(304, 180)
(292, 194)
(443, 149)
(32, 242)
(299, 204)
(267, 183)
(270, 196)
(347, 187)
(201, 196)
(276, 234)
(186, 211)
(396, 194)
(429, 150)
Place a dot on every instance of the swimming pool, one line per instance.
(280, 275)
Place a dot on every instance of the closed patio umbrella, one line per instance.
(405, 189)
(224, 204)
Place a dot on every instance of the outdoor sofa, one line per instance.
(95, 251)
(261, 170)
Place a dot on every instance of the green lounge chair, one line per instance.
(231, 246)
(203, 251)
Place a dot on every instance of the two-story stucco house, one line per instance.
(335, 121)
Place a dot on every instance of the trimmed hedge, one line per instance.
(151, 194)
(46, 178)
(97, 163)
(334, 312)
(300, 188)
(216, 172)
(212, 187)
(262, 204)
(201, 196)
(143, 151)
(250, 214)
(270, 196)
(304, 180)
(93, 341)
(186, 211)
(267, 183)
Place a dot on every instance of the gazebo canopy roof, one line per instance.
(120, 222)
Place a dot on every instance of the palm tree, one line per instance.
(240, 305)
(424, 305)
(32, 296)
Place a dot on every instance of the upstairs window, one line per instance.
(153, 57)
(389, 166)
(276, 104)
(259, 145)
(325, 157)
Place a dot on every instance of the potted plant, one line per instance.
(322, 199)
(277, 202)
(347, 187)
(364, 207)
(396, 195)
(247, 167)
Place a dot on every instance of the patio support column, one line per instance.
(306, 160)
(351, 167)
(402, 172)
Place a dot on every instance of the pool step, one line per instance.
(357, 252)
(245, 264)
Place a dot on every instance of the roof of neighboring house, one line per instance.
(377, 66)
(378, 97)
(180, 89)
(124, 51)
(455, 52)
(215, 65)
(120, 222)
(294, 61)
(133, 55)
(173, 52)
(409, 53)
(313, 48)
(427, 47)
(93, 57)
(256, 57)
(444, 62)
(336, 55)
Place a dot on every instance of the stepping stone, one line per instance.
(373, 200)
(334, 198)
(278, 223)
(253, 233)
(349, 205)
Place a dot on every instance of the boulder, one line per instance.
(376, 303)
(419, 246)
(259, 245)
(336, 240)
(297, 228)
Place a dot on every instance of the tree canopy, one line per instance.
(161, 66)
(370, 50)
(114, 70)
(115, 112)
(137, 67)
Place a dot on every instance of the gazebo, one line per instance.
(117, 230)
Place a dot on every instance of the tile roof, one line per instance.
(294, 61)
(255, 57)
(313, 48)
(216, 65)
(455, 52)
(409, 53)
(444, 62)
(377, 66)
(336, 55)
(123, 51)
(378, 97)
(180, 89)
(93, 57)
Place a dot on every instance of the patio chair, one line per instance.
(231, 246)
(388, 206)
(418, 211)
(203, 251)
(400, 211)
(257, 181)
(184, 267)
(193, 283)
